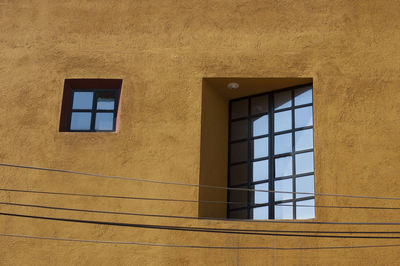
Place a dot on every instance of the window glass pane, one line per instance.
(104, 121)
(238, 214)
(259, 104)
(80, 120)
(304, 162)
(238, 195)
(283, 143)
(284, 212)
(303, 117)
(305, 184)
(238, 174)
(260, 148)
(105, 103)
(82, 100)
(303, 212)
(260, 213)
(239, 130)
(283, 121)
(239, 109)
(260, 197)
(260, 126)
(283, 166)
(303, 95)
(304, 139)
(260, 170)
(239, 152)
(282, 100)
(285, 185)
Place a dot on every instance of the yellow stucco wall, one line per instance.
(162, 50)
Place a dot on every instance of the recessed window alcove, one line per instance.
(232, 114)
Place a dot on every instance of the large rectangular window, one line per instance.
(271, 148)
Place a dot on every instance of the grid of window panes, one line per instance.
(94, 110)
(271, 148)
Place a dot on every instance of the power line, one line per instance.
(194, 229)
(168, 216)
(119, 197)
(259, 221)
(193, 185)
(186, 200)
(192, 246)
(239, 220)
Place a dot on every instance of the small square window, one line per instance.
(90, 105)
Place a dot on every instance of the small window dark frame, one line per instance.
(97, 86)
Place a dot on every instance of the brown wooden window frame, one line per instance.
(112, 86)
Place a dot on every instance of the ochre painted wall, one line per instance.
(162, 50)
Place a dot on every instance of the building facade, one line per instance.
(170, 123)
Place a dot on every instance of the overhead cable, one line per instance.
(193, 229)
(187, 200)
(168, 216)
(193, 185)
(193, 246)
(118, 197)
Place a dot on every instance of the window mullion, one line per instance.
(94, 105)
(116, 103)
(70, 113)
(271, 167)
(228, 214)
(293, 159)
(249, 156)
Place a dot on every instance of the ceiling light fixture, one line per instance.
(233, 85)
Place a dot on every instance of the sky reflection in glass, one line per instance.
(82, 100)
(285, 186)
(304, 163)
(283, 121)
(303, 96)
(80, 120)
(303, 117)
(284, 212)
(305, 184)
(104, 121)
(260, 213)
(260, 170)
(283, 143)
(260, 147)
(304, 139)
(105, 103)
(259, 196)
(305, 212)
(260, 126)
(283, 166)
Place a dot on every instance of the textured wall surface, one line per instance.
(162, 50)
